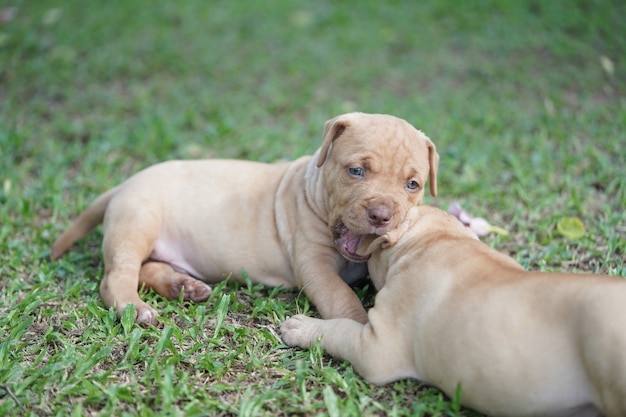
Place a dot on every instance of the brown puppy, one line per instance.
(452, 311)
(179, 224)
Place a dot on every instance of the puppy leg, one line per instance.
(129, 236)
(333, 298)
(163, 279)
(119, 288)
(375, 358)
(338, 336)
(336, 301)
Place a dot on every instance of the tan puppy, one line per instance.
(177, 225)
(452, 311)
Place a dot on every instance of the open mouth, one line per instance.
(347, 243)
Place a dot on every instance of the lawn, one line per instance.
(525, 100)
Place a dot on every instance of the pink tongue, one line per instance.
(350, 242)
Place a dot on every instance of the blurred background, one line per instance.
(524, 99)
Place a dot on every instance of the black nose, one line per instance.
(379, 216)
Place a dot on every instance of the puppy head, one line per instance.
(375, 168)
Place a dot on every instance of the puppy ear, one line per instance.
(332, 130)
(370, 243)
(433, 160)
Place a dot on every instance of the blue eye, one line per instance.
(357, 172)
(412, 185)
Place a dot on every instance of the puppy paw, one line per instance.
(300, 331)
(194, 290)
(146, 316)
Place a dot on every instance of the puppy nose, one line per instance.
(379, 216)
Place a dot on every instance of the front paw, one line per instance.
(146, 316)
(300, 331)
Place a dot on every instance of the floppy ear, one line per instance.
(332, 130)
(371, 243)
(433, 160)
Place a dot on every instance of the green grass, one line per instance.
(524, 99)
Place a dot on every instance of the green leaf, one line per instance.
(571, 227)
(221, 312)
(128, 318)
(331, 401)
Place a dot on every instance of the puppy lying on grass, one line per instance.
(178, 225)
(453, 312)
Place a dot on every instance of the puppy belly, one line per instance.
(216, 263)
(173, 254)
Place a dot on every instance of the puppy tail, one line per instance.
(86, 221)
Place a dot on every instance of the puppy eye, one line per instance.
(412, 185)
(357, 171)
